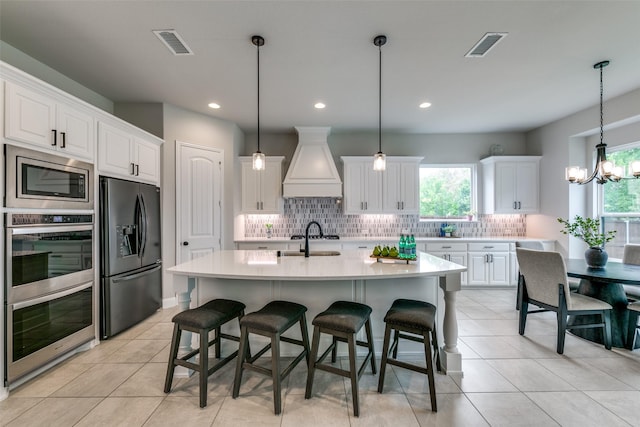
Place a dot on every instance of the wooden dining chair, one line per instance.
(546, 285)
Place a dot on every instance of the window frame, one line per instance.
(473, 167)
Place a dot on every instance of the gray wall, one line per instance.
(570, 141)
(20, 60)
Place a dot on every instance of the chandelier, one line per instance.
(258, 159)
(379, 159)
(605, 170)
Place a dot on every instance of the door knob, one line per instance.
(185, 243)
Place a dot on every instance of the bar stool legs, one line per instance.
(416, 318)
(202, 320)
(271, 321)
(342, 320)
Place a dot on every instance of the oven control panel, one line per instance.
(27, 219)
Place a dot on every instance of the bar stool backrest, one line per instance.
(543, 272)
(631, 254)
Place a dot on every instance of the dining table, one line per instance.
(605, 284)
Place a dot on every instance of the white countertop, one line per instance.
(349, 265)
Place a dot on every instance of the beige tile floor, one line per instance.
(509, 380)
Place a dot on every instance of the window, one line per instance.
(447, 191)
(620, 203)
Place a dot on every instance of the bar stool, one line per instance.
(202, 320)
(271, 321)
(417, 318)
(342, 320)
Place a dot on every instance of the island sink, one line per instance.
(311, 253)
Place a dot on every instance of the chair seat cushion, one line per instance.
(583, 302)
(411, 314)
(634, 306)
(343, 316)
(210, 315)
(633, 292)
(275, 317)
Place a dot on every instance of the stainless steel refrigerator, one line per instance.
(130, 257)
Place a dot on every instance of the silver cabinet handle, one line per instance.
(398, 205)
(64, 139)
(519, 205)
(55, 137)
(366, 206)
(137, 169)
(488, 247)
(133, 168)
(445, 247)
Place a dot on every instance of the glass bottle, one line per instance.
(412, 246)
(402, 247)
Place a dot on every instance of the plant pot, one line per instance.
(447, 234)
(596, 257)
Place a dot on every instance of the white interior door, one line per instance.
(199, 201)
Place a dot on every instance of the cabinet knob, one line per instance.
(185, 243)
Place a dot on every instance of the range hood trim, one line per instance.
(312, 155)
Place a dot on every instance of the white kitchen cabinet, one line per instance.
(362, 186)
(489, 264)
(38, 119)
(454, 252)
(401, 185)
(262, 190)
(121, 153)
(511, 184)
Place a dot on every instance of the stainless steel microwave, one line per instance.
(42, 180)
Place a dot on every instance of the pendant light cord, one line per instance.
(380, 99)
(601, 109)
(258, 74)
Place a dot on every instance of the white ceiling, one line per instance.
(324, 51)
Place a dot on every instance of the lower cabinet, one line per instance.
(489, 264)
(454, 252)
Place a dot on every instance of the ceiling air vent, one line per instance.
(173, 42)
(485, 44)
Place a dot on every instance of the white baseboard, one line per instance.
(169, 302)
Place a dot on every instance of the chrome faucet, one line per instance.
(306, 237)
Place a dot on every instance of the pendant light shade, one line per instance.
(379, 159)
(259, 160)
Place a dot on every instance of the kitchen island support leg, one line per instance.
(450, 356)
(183, 287)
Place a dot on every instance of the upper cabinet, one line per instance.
(262, 190)
(511, 184)
(362, 186)
(37, 119)
(125, 152)
(401, 185)
(393, 191)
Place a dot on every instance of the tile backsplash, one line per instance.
(328, 212)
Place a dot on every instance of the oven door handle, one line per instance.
(137, 275)
(49, 297)
(52, 229)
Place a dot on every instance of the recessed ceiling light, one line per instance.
(214, 105)
(425, 105)
(319, 105)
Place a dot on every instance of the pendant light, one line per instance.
(259, 160)
(604, 170)
(379, 159)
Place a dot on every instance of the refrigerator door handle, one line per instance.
(136, 275)
(143, 224)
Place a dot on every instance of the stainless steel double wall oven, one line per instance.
(49, 272)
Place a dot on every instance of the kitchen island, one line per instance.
(256, 277)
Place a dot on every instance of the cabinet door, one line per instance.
(513, 268)
(527, 187)
(505, 187)
(478, 270)
(146, 157)
(392, 183)
(499, 269)
(460, 258)
(409, 187)
(76, 132)
(372, 189)
(250, 189)
(114, 151)
(271, 187)
(354, 188)
(29, 116)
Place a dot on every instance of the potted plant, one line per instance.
(470, 215)
(588, 230)
(269, 227)
(448, 229)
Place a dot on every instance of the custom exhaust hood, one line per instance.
(312, 172)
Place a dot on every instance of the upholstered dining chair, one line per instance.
(545, 284)
(631, 255)
(538, 246)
